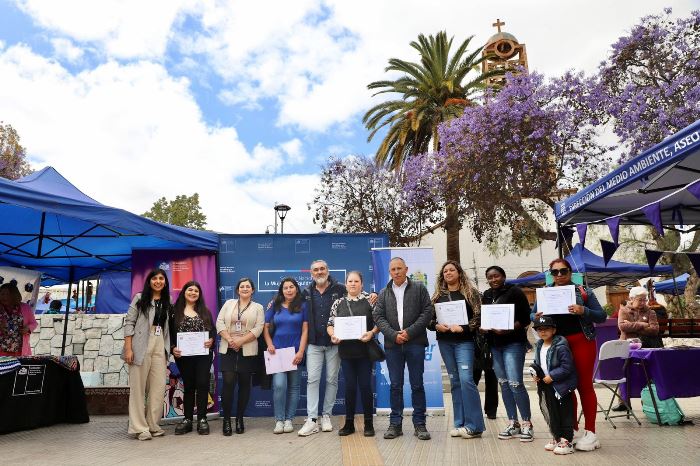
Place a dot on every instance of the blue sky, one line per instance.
(241, 101)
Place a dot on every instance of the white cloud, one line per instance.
(128, 134)
(65, 49)
(292, 149)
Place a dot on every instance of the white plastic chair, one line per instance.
(615, 349)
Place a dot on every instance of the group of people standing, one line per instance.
(403, 311)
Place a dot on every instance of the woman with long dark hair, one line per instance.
(146, 350)
(577, 327)
(508, 348)
(240, 323)
(456, 343)
(190, 314)
(286, 325)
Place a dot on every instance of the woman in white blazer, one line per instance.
(240, 323)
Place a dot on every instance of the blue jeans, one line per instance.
(285, 394)
(508, 362)
(412, 356)
(466, 403)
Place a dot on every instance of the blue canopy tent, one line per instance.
(667, 286)
(596, 273)
(49, 225)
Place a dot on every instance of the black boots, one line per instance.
(183, 427)
(203, 427)
(369, 427)
(348, 428)
(240, 428)
(227, 427)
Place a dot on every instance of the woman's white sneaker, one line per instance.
(455, 432)
(588, 442)
(287, 426)
(279, 427)
(578, 435)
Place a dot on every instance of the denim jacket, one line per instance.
(593, 312)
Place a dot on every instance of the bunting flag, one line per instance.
(653, 257)
(614, 226)
(582, 228)
(566, 233)
(653, 213)
(694, 258)
(694, 189)
(608, 250)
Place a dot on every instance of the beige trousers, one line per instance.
(147, 388)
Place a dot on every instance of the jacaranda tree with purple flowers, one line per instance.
(509, 160)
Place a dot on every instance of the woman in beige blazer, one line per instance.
(240, 323)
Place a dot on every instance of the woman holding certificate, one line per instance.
(146, 349)
(457, 308)
(240, 323)
(286, 326)
(192, 333)
(508, 347)
(354, 352)
(575, 319)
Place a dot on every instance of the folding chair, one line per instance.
(610, 370)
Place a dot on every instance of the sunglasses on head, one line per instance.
(557, 272)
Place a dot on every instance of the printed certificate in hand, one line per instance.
(452, 313)
(350, 328)
(192, 343)
(281, 361)
(497, 316)
(555, 299)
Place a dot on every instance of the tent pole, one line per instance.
(560, 239)
(83, 290)
(65, 318)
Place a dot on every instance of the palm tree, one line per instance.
(432, 92)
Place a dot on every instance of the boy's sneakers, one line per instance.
(563, 448)
(512, 431)
(551, 445)
(588, 442)
(526, 432)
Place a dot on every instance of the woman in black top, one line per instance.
(456, 343)
(190, 314)
(508, 348)
(354, 354)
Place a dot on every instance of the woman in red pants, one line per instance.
(577, 327)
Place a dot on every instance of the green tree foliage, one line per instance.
(13, 157)
(184, 211)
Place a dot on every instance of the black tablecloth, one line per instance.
(41, 392)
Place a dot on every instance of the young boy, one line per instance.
(555, 374)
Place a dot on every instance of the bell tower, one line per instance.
(504, 53)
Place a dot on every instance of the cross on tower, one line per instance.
(498, 24)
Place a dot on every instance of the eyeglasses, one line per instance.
(557, 272)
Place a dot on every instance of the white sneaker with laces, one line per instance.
(326, 425)
(589, 442)
(455, 432)
(279, 427)
(288, 427)
(578, 435)
(310, 427)
(563, 448)
(551, 445)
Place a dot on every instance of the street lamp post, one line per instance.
(281, 212)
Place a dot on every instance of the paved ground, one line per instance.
(104, 441)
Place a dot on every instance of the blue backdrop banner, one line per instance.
(267, 259)
(421, 267)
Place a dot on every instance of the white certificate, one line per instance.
(281, 361)
(350, 328)
(192, 343)
(452, 313)
(555, 299)
(497, 316)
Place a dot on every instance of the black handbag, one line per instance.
(375, 350)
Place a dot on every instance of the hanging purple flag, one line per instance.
(694, 258)
(653, 213)
(653, 257)
(608, 250)
(582, 228)
(695, 189)
(614, 226)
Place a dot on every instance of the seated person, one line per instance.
(637, 320)
(55, 307)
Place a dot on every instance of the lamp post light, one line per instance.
(281, 212)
